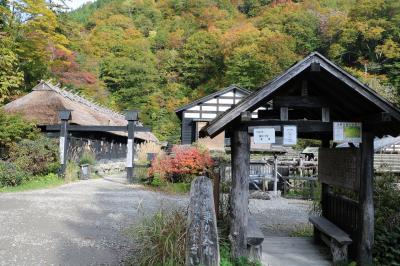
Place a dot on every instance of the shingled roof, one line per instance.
(357, 96)
(45, 100)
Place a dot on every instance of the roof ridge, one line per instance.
(82, 100)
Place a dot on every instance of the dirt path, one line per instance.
(81, 223)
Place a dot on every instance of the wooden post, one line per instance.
(201, 234)
(366, 204)
(132, 117)
(217, 180)
(239, 196)
(324, 187)
(64, 116)
(275, 174)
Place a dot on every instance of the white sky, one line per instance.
(77, 3)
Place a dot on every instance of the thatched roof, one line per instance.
(45, 100)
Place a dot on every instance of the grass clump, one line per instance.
(87, 158)
(304, 230)
(161, 239)
(39, 182)
(71, 172)
(226, 260)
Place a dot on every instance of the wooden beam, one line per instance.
(97, 128)
(376, 118)
(299, 102)
(245, 116)
(325, 114)
(284, 113)
(304, 88)
(366, 208)
(303, 126)
(240, 143)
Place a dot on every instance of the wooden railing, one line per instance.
(343, 212)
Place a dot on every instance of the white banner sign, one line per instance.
(129, 155)
(289, 135)
(347, 132)
(264, 135)
(62, 147)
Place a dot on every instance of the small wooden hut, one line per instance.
(45, 101)
(314, 96)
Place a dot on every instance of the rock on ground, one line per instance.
(81, 223)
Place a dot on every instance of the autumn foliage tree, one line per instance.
(183, 164)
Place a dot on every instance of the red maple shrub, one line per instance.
(184, 163)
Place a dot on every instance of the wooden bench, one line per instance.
(254, 240)
(334, 237)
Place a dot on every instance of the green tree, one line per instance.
(201, 58)
(249, 67)
(11, 78)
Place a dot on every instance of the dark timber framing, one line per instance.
(206, 109)
(312, 94)
(132, 118)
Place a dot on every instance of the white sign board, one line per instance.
(129, 155)
(347, 132)
(289, 135)
(62, 147)
(264, 135)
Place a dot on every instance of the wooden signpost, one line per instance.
(201, 235)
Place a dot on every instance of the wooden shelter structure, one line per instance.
(312, 95)
(43, 104)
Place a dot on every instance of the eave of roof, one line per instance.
(45, 100)
(211, 96)
(224, 119)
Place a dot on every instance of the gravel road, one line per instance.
(81, 223)
(280, 216)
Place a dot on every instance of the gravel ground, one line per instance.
(280, 216)
(81, 223)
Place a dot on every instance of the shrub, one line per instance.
(161, 239)
(387, 220)
(183, 164)
(10, 175)
(14, 128)
(87, 158)
(37, 157)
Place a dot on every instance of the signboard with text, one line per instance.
(264, 135)
(289, 135)
(347, 132)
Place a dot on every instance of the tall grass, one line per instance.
(161, 239)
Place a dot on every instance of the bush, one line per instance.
(11, 175)
(387, 220)
(37, 157)
(87, 158)
(14, 128)
(183, 164)
(161, 239)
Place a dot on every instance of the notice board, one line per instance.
(340, 167)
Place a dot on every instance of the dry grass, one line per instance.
(147, 147)
(161, 239)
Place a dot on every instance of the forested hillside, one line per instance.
(157, 55)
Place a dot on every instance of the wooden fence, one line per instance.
(101, 149)
(343, 212)
(384, 163)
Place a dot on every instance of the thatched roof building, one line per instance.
(45, 100)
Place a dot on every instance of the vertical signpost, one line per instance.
(132, 117)
(64, 116)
